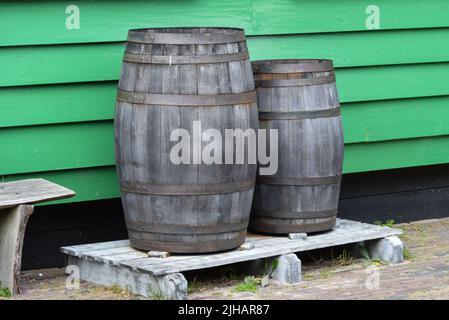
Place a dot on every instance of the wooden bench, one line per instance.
(16, 199)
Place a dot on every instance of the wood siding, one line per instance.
(58, 86)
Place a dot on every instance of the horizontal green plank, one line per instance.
(60, 64)
(44, 22)
(363, 121)
(101, 61)
(31, 105)
(56, 147)
(354, 84)
(101, 182)
(362, 157)
(89, 184)
(81, 145)
(392, 82)
(356, 49)
(395, 119)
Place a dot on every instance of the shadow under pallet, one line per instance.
(116, 263)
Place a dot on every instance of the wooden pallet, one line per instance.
(116, 263)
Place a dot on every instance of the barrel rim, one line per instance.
(292, 65)
(197, 35)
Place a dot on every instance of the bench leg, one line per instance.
(13, 223)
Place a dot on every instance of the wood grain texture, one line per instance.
(173, 221)
(308, 148)
(31, 191)
(88, 183)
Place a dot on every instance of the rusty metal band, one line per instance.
(298, 181)
(300, 115)
(294, 214)
(184, 229)
(186, 189)
(292, 66)
(295, 82)
(185, 38)
(198, 59)
(187, 99)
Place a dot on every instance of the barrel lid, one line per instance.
(186, 35)
(292, 65)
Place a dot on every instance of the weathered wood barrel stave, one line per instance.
(170, 78)
(299, 98)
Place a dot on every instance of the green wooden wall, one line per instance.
(57, 86)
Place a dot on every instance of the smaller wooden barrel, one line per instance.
(299, 99)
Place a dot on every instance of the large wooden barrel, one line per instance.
(299, 99)
(170, 78)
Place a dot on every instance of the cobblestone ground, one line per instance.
(423, 275)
